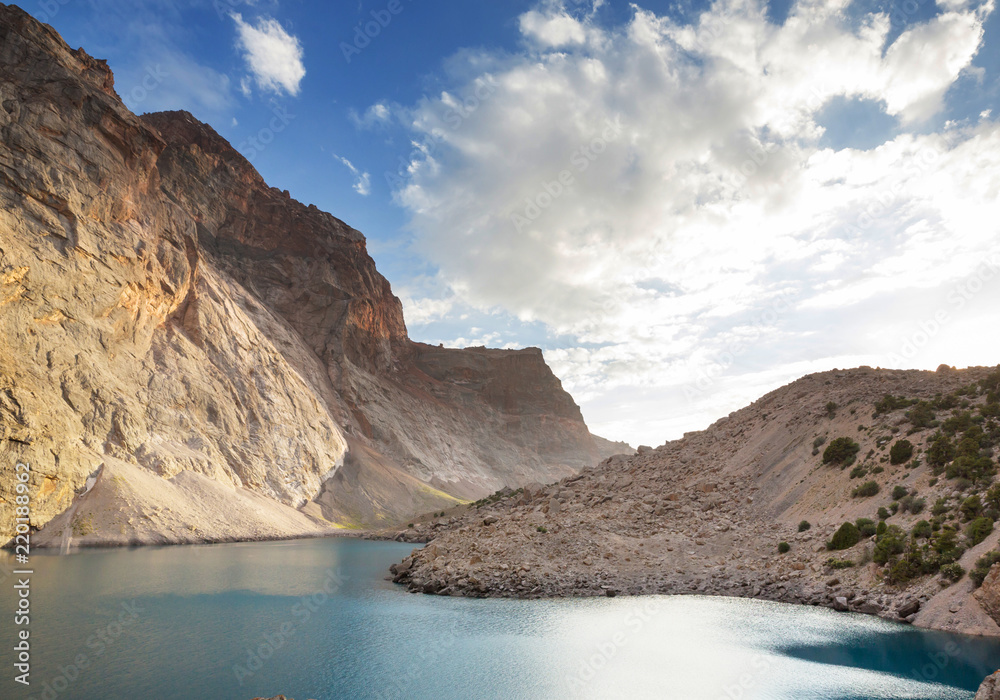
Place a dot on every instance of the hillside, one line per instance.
(188, 354)
(706, 513)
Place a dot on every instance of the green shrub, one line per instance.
(859, 471)
(831, 409)
(846, 537)
(842, 450)
(940, 507)
(941, 451)
(971, 508)
(866, 527)
(541, 528)
(891, 542)
(953, 572)
(819, 441)
(890, 403)
(983, 566)
(839, 563)
(922, 530)
(881, 528)
(978, 530)
(979, 468)
(993, 497)
(899, 492)
(900, 452)
(958, 423)
(945, 545)
(784, 548)
(866, 490)
(921, 415)
(883, 513)
(912, 504)
(804, 525)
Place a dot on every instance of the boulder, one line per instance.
(990, 689)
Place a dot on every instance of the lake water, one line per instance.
(242, 620)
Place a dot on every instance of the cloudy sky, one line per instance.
(685, 205)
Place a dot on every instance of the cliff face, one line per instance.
(163, 312)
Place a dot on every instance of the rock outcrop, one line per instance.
(163, 312)
(988, 595)
(706, 514)
(990, 689)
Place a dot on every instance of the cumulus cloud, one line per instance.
(657, 193)
(273, 56)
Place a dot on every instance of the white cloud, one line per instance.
(420, 312)
(273, 56)
(362, 181)
(378, 114)
(710, 235)
(552, 29)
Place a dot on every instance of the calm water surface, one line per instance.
(238, 621)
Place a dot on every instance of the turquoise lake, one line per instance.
(244, 620)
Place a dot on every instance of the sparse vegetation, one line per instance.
(838, 564)
(952, 572)
(901, 452)
(804, 525)
(866, 490)
(890, 403)
(842, 450)
(978, 530)
(846, 537)
(983, 566)
(866, 527)
(784, 548)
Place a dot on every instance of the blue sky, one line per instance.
(684, 204)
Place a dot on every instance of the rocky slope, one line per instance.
(705, 514)
(174, 333)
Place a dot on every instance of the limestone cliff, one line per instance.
(164, 313)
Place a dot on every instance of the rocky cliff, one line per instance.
(187, 354)
(902, 461)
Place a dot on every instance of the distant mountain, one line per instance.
(187, 354)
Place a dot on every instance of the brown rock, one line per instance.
(988, 594)
(990, 689)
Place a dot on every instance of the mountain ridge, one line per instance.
(168, 315)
